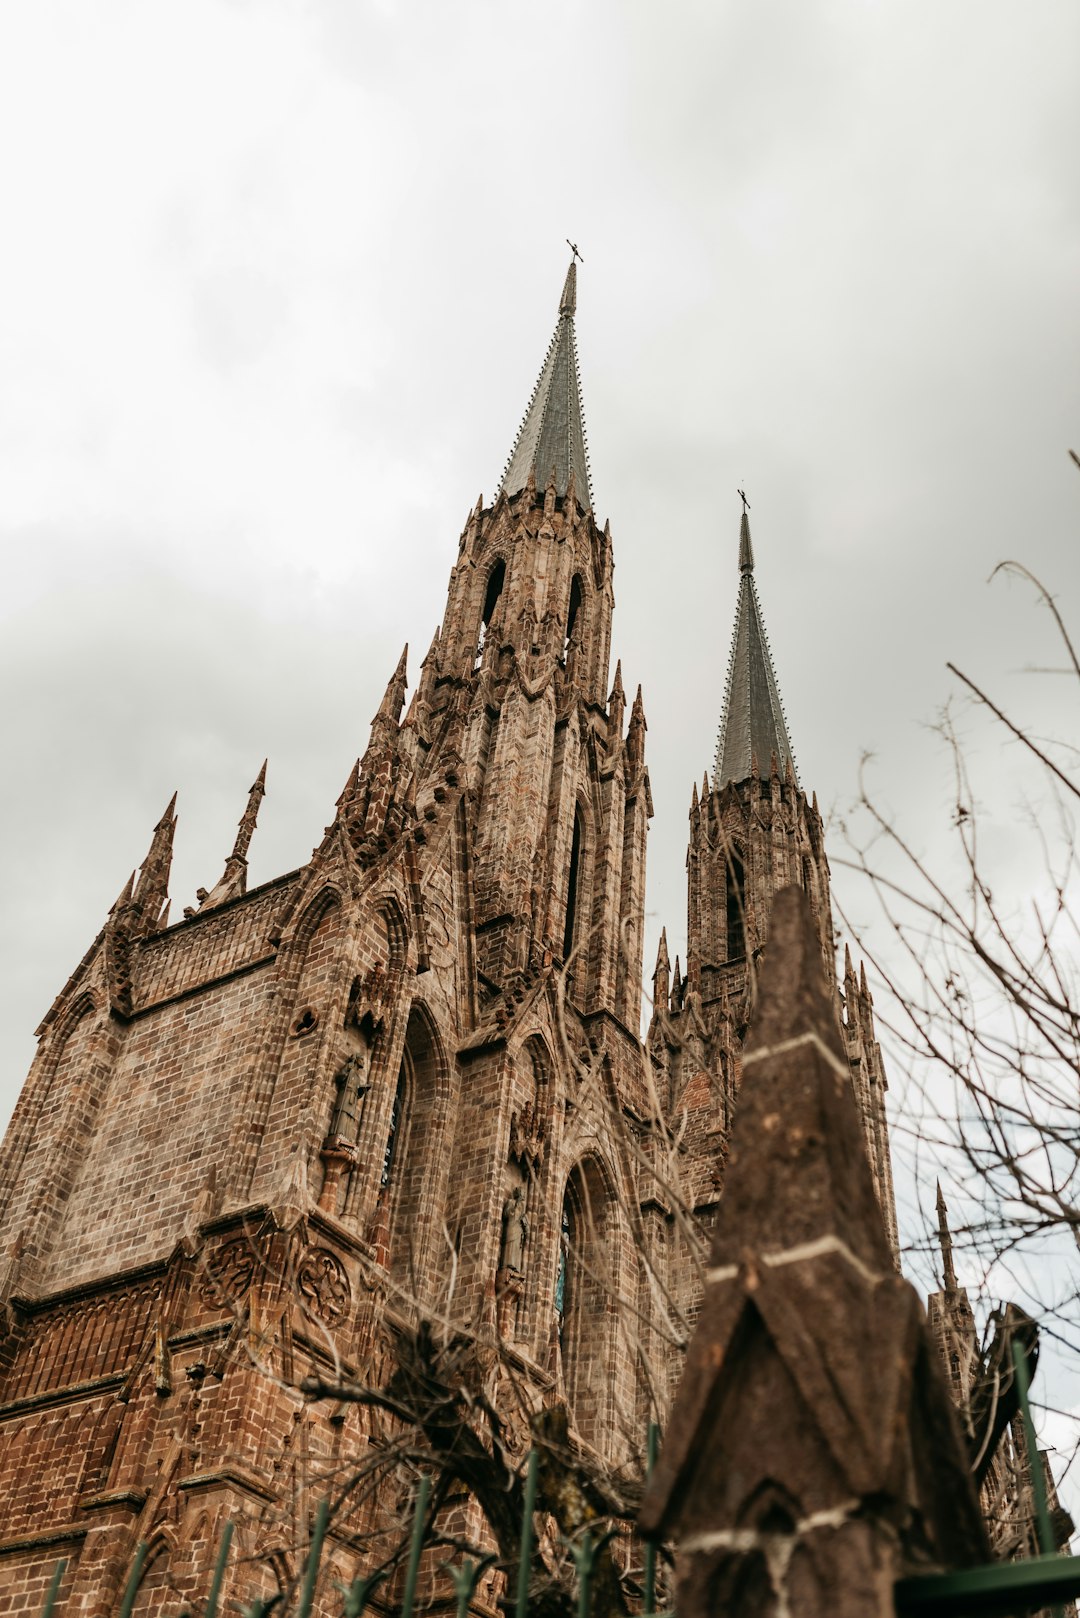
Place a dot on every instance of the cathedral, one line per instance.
(403, 1084)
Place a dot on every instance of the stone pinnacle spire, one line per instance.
(551, 439)
(394, 696)
(753, 730)
(152, 888)
(233, 881)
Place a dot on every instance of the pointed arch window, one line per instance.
(396, 1112)
(560, 1276)
(736, 906)
(416, 1155)
(584, 1292)
(576, 596)
(496, 580)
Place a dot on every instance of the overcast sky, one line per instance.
(276, 283)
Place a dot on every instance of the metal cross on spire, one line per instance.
(573, 248)
(742, 496)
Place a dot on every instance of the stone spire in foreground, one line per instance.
(551, 440)
(753, 730)
(813, 1455)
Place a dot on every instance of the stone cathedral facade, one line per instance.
(405, 1081)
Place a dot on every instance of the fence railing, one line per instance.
(999, 1588)
(584, 1550)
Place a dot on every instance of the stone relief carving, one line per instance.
(229, 1273)
(323, 1286)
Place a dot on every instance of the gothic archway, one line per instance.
(586, 1297)
(416, 1154)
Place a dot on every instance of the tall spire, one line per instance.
(945, 1239)
(753, 730)
(551, 439)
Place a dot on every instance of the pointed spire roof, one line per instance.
(945, 1240)
(551, 440)
(753, 724)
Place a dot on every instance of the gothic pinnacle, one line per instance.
(616, 709)
(256, 794)
(662, 975)
(348, 791)
(152, 888)
(123, 898)
(635, 734)
(233, 880)
(394, 697)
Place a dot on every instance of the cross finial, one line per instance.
(742, 496)
(573, 248)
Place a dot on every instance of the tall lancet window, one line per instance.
(573, 888)
(585, 1295)
(560, 1274)
(572, 613)
(395, 1126)
(496, 580)
(736, 906)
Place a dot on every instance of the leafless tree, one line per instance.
(977, 951)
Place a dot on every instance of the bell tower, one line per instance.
(753, 831)
(515, 685)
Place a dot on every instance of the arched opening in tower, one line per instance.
(496, 580)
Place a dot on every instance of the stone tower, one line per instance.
(259, 1141)
(752, 832)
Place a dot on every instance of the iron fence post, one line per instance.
(219, 1571)
(318, 1534)
(133, 1579)
(651, 1444)
(525, 1560)
(416, 1547)
(54, 1587)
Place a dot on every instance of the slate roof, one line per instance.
(552, 435)
(753, 724)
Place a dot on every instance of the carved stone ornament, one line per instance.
(527, 1136)
(228, 1274)
(323, 1286)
